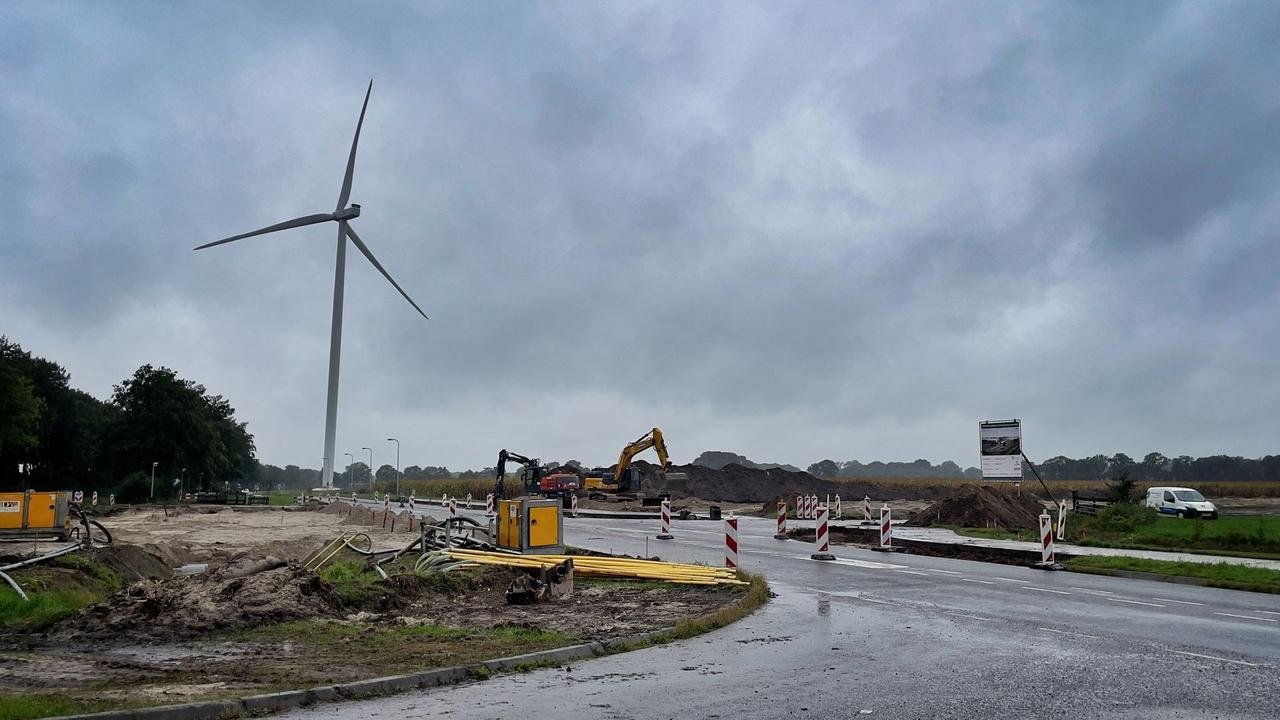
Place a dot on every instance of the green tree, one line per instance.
(19, 417)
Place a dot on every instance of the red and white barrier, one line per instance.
(866, 509)
(353, 497)
(444, 499)
(839, 512)
(886, 527)
(1046, 539)
(488, 505)
(412, 501)
(78, 496)
(386, 505)
(1062, 519)
(820, 539)
(573, 505)
(453, 507)
(782, 521)
(111, 499)
(731, 542)
(666, 522)
(468, 501)
(94, 500)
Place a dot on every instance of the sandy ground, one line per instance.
(200, 535)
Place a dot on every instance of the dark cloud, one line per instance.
(826, 229)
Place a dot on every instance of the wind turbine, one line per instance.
(342, 215)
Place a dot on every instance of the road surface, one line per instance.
(901, 636)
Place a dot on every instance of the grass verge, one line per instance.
(56, 588)
(35, 705)
(1222, 575)
(757, 594)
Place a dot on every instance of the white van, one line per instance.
(1181, 502)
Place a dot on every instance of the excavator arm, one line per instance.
(500, 473)
(651, 439)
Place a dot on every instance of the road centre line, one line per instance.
(1134, 602)
(1269, 612)
(1014, 580)
(949, 572)
(1092, 592)
(1059, 592)
(1068, 632)
(984, 582)
(913, 572)
(1246, 617)
(1215, 657)
(971, 617)
(1181, 602)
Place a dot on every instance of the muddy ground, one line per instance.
(258, 621)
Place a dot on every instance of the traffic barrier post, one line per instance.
(866, 509)
(731, 542)
(1047, 560)
(573, 505)
(782, 521)
(839, 512)
(111, 499)
(453, 507)
(488, 505)
(821, 543)
(468, 501)
(886, 530)
(666, 522)
(1062, 519)
(94, 500)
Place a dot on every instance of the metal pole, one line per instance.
(182, 482)
(153, 481)
(370, 468)
(397, 442)
(351, 480)
(335, 359)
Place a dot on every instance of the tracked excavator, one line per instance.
(535, 478)
(624, 481)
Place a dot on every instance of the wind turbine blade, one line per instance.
(351, 159)
(365, 249)
(296, 222)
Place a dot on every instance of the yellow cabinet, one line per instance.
(531, 525)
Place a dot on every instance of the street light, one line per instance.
(375, 497)
(350, 477)
(153, 482)
(397, 442)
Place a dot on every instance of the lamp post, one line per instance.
(182, 482)
(351, 478)
(375, 497)
(153, 482)
(397, 442)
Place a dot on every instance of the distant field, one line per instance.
(1064, 487)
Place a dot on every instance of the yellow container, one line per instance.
(530, 525)
(33, 513)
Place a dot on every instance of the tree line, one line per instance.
(55, 437)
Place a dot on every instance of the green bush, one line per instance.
(135, 488)
(1122, 517)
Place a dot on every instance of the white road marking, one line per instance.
(1181, 602)
(1024, 582)
(971, 617)
(1246, 617)
(913, 572)
(1134, 602)
(1068, 632)
(1092, 592)
(866, 564)
(1269, 612)
(984, 582)
(870, 600)
(949, 572)
(1059, 592)
(1215, 657)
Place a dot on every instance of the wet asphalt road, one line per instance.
(902, 636)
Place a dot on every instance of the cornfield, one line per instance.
(1219, 489)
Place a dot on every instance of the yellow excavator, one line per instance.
(624, 478)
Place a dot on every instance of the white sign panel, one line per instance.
(1000, 448)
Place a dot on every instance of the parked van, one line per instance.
(1181, 502)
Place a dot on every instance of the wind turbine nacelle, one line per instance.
(348, 213)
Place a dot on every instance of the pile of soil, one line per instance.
(223, 599)
(735, 483)
(983, 506)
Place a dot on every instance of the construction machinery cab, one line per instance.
(530, 475)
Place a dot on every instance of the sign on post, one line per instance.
(1000, 448)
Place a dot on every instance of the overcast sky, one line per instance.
(794, 231)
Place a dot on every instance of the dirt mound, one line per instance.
(224, 599)
(735, 483)
(983, 506)
(132, 562)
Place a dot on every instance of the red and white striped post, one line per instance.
(94, 499)
(573, 504)
(782, 520)
(820, 539)
(1046, 539)
(866, 509)
(488, 505)
(412, 500)
(808, 507)
(468, 501)
(444, 499)
(111, 499)
(1062, 520)
(666, 522)
(453, 507)
(839, 512)
(731, 542)
(353, 497)
(886, 526)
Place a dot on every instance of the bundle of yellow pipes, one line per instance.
(590, 566)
